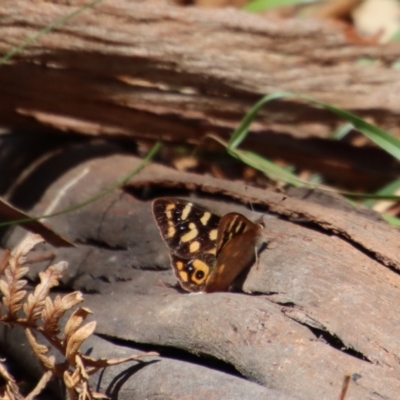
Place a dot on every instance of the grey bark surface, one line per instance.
(321, 304)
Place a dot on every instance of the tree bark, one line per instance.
(323, 301)
(152, 70)
(142, 67)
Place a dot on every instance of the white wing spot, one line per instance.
(171, 231)
(186, 211)
(213, 234)
(205, 218)
(194, 246)
(192, 234)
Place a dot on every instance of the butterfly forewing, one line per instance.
(190, 232)
(187, 228)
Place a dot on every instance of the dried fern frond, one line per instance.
(55, 309)
(40, 351)
(11, 284)
(75, 334)
(4, 260)
(44, 380)
(36, 301)
(42, 315)
(11, 391)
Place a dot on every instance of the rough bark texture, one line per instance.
(154, 70)
(321, 304)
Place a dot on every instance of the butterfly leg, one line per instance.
(256, 257)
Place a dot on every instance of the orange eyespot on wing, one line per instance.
(193, 274)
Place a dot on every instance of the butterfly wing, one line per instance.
(237, 242)
(190, 231)
(193, 273)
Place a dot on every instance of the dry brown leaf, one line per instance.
(21, 272)
(103, 362)
(4, 260)
(84, 392)
(74, 321)
(49, 278)
(51, 314)
(82, 387)
(11, 389)
(38, 305)
(29, 242)
(12, 283)
(40, 350)
(70, 380)
(4, 288)
(12, 294)
(4, 373)
(54, 310)
(76, 384)
(77, 339)
(72, 299)
(81, 367)
(97, 395)
(40, 385)
(12, 392)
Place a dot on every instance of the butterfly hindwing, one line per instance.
(193, 273)
(237, 244)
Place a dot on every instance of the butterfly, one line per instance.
(207, 251)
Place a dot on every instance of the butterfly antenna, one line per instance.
(257, 257)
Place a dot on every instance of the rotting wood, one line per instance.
(145, 70)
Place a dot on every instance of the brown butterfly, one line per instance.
(207, 252)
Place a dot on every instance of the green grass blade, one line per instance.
(342, 131)
(120, 183)
(261, 5)
(260, 163)
(48, 28)
(268, 167)
(241, 131)
(383, 139)
(392, 220)
(377, 135)
(384, 192)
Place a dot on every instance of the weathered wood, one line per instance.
(250, 333)
(328, 284)
(155, 70)
(326, 302)
(150, 377)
